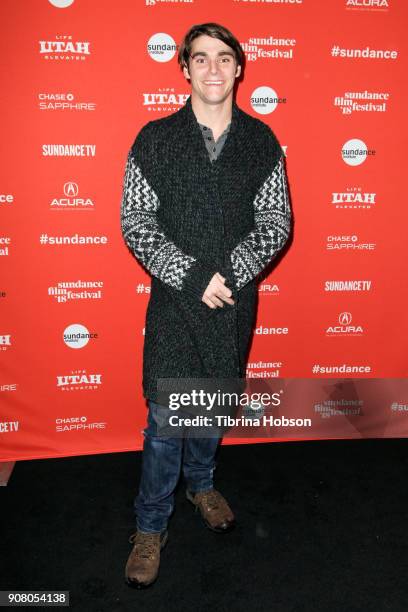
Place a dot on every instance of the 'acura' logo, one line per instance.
(71, 189)
(345, 318)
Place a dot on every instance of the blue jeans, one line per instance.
(162, 461)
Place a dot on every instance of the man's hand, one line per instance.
(217, 293)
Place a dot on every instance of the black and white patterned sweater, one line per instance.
(185, 218)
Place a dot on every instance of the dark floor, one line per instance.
(322, 526)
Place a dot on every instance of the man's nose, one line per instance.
(213, 66)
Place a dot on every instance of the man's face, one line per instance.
(212, 69)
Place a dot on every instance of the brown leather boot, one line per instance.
(216, 513)
(142, 566)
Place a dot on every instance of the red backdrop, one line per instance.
(79, 80)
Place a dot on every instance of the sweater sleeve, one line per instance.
(146, 239)
(272, 227)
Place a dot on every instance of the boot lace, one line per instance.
(146, 544)
(211, 499)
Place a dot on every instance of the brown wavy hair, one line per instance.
(215, 30)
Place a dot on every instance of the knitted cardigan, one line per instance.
(186, 218)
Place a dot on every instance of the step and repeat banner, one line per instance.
(79, 80)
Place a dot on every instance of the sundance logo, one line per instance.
(61, 3)
(362, 101)
(347, 285)
(271, 331)
(161, 47)
(263, 369)
(264, 100)
(76, 336)
(6, 198)
(268, 48)
(4, 245)
(354, 152)
(66, 291)
(9, 426)
(342, 407)
(68, 150)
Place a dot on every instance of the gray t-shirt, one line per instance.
(213, 148)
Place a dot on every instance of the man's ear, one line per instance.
(185, 72)
(238, 71)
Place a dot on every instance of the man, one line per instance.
(205, 208)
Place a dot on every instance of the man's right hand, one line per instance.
(217, 293)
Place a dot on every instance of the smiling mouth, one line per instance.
(212, 82)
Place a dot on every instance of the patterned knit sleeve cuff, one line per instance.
(197, 278)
